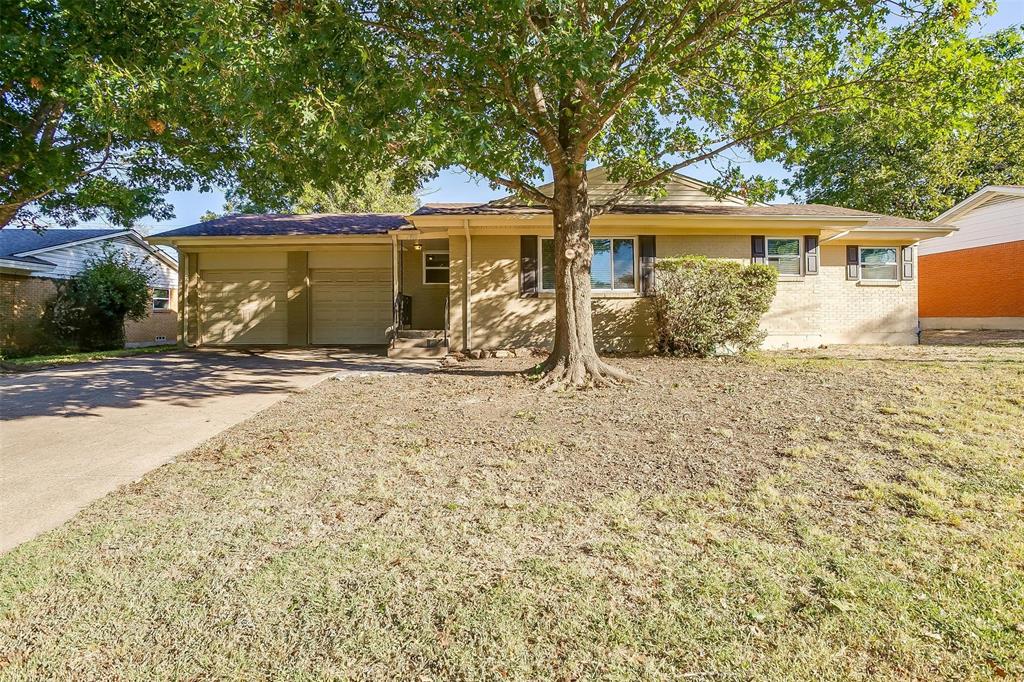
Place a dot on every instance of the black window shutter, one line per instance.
(528, 265)
(648, 254)
(852, 262)
(810, 255)
(757, 254)
(908, 261)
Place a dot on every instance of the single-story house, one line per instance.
(974, 278)
(480, 275)
(31, 262)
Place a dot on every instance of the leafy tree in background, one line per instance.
(914, 165)
(89, 309)
(83, 126)
(329, 91)
(377, 194)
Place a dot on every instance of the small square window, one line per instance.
(161, 299)
(436, 267)
(784, 255)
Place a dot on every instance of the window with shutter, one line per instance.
(757, 249)
(853, 262)
(648, 255)
(810, 255)
(528, 265)
(907, 257)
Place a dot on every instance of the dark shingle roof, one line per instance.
(20, 240)
(282, 224)
(775, 210)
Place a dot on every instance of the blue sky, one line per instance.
(457, 185)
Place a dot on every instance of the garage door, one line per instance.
(243, 306)
(350, 306)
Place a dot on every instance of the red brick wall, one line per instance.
(987, 281)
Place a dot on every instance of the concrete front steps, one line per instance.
(418, 344)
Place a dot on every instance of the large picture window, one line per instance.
(612, 269)
(878, 263)
(784, 255)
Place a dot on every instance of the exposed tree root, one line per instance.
(573, 371)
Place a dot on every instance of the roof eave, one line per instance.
(14, 266)
(977, 198)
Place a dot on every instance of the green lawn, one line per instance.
(36, 361)
(780, 517)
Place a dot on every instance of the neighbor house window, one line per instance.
(161, 299)
(435, 267)
(613, 267)
(878, 262)
(784, 255)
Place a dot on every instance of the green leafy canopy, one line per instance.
(327, 91)
(86, 129)
(932, 154)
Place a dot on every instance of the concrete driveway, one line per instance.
(70, 435)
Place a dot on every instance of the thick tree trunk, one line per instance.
(573, 360)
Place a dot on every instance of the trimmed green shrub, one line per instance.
(89, 310)
(704, 306)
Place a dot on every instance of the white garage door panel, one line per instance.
(244, 306)
(350, 306)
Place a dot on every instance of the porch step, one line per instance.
(410, 344)
(418, 353)
(420, 334)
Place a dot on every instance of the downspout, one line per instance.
(469, 286)
(395, 285)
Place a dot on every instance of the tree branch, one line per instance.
(523, 188)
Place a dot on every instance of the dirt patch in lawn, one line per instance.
(783, 516)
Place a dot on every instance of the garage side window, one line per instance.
(435, 267)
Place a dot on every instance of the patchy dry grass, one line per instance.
(783, 517)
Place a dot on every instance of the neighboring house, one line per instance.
(30, 263)
(974, 277)
(481, 275)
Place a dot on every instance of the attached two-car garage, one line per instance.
(339, 296)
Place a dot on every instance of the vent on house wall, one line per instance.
(160, 339)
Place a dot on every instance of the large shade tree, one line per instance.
(83, 124)
(516, 89)
(926, 156)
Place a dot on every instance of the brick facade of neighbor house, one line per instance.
(159, 323)
(987, 281)
(974, 277)
(22, 301)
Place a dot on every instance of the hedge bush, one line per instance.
(89, 309)
(705, 306)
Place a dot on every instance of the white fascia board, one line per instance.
(977, 198)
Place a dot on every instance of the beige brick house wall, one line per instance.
(807, 311)
(159, 323)
(23, 300)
